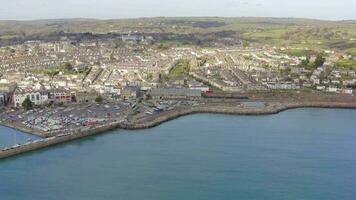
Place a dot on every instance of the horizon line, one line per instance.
(157, 17)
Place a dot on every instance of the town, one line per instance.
(51, 88)
(171, 100)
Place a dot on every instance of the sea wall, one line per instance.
(152, 121)
(40, 144)
(231, 109)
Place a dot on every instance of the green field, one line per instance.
(346, 64)
(297, 52)
(180, 70)
(288, 32)
(351, 51)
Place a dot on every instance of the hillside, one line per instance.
(339, 35)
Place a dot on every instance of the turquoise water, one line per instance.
(10, 137)
(298, 154)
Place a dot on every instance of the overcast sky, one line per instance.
(105, 9)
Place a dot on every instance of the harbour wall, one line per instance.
(47, 142)
(155, 120)
(276, 108)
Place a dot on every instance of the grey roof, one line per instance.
(175, 92)
(131, 88)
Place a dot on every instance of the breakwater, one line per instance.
(152, 121)
(231, 109)
(62, 138)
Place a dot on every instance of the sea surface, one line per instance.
(298, 154)
(10, 137)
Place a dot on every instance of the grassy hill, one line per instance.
(275, 31)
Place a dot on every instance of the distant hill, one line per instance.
(278, 31)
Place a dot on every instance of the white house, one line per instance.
(320, 87)
(332, 89)
(347, 91)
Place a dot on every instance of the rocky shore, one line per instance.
(155, 120)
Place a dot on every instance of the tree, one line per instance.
(305, 62)
(99, 99)
(149, 76)
(319, 60)
(162, 46)
(68, 67)
(27, 104)
(147, 96)
(245, 44)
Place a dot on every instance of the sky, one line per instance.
(113, 9)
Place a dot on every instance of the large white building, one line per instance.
(36, 97)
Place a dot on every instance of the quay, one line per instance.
(155, 120)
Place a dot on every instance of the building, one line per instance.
(3, 99)
(85, 96)
(130, 92)
(332, 89)
(61, 96)
(6, 91)
(133, 38)
(347, 91)
(40, 97)
(172, 93)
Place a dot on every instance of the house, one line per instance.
(332, 89)
(320, 87)
(347, 91)
(315, 81)
(348, 82)
(335, 81)
(296, 70)
(60, 96)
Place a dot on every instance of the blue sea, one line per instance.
(302, 154)
(10, 137)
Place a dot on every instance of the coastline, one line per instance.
(155, 120)
(275, 108)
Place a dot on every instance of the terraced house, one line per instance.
(60, 96)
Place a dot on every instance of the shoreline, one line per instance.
(156, 120)
(223, 109)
